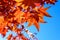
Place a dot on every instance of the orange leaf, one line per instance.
(36, 24)
(43, 11)
(30, 22)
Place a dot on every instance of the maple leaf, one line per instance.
(43, 11)
(35, 17)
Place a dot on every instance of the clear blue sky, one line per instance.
(51, 29)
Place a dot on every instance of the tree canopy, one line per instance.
(17, 12)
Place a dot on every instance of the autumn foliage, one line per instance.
(17, 12)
